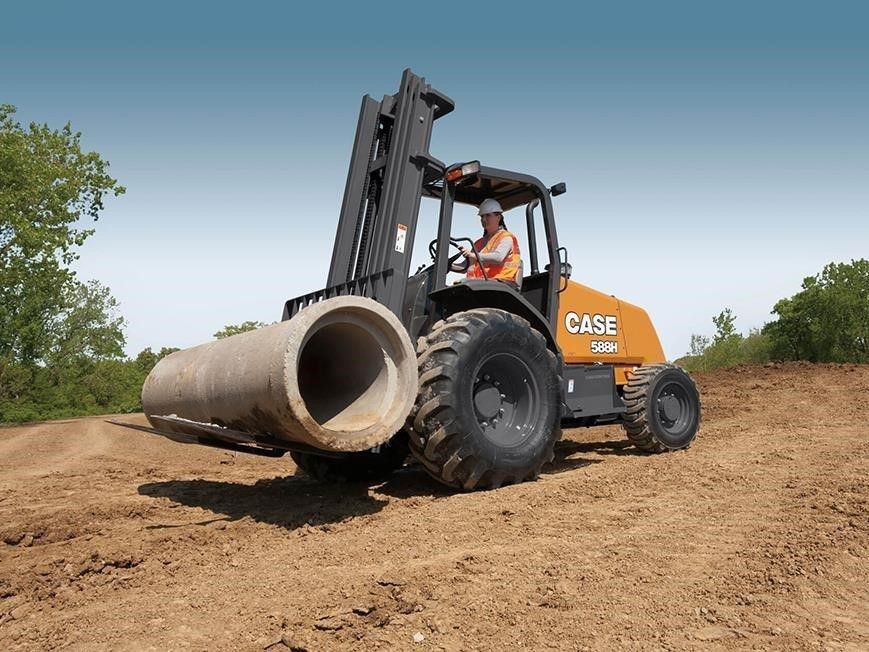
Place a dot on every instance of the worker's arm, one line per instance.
(494, 257)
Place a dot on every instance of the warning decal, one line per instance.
(400, 237)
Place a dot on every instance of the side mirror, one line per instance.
(558, 189)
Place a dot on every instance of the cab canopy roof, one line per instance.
(511, 189)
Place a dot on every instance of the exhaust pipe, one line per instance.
(340, 376)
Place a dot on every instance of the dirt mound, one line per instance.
(756, 537)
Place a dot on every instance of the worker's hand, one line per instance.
(467, 253)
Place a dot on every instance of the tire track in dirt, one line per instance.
(53, 448)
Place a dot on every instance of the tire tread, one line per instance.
(635, 419)
(437, 441)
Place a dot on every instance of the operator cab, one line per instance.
(471, 183)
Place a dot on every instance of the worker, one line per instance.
(497, 250)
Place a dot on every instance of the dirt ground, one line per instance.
(755, 538)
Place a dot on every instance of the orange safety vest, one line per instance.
(504, 271)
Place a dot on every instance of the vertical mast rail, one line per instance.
(388, 165)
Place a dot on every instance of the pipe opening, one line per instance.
(344, 377)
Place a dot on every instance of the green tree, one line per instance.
(53, 328)
(725, 328)
(147, 359)
(87, 324)
(48, 185)
(49, 188)
(234, 329)
(828, 319)
(727, 346)
(699, 344)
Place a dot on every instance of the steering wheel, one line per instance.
(454, 242)
(433, 250)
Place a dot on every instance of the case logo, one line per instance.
(587, 324)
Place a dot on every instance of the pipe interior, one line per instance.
(343, 377)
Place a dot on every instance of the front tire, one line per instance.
(663, 408)
(488, 411)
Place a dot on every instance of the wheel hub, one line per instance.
(503, 396)
(487, 400)
(669, 408)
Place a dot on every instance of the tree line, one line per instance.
(62, 339)
(826, 321)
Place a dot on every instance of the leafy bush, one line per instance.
(234, 329)
(83, 386)
(826, 321)
(727, 347)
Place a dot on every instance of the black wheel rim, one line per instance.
(506, 401)
(675, 411)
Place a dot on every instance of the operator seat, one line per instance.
(535, 290)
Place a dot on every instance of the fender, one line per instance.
(492, 294)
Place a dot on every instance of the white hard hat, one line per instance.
(490, 206)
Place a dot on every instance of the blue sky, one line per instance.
(714, 153)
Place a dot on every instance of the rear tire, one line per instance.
(663, 408)
(365, 466)
(488, 411)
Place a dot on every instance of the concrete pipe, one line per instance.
(341, 375)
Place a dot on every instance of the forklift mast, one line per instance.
(388, 167)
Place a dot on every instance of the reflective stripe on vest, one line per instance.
(504, 271)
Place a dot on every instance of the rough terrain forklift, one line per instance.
(495, 371)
